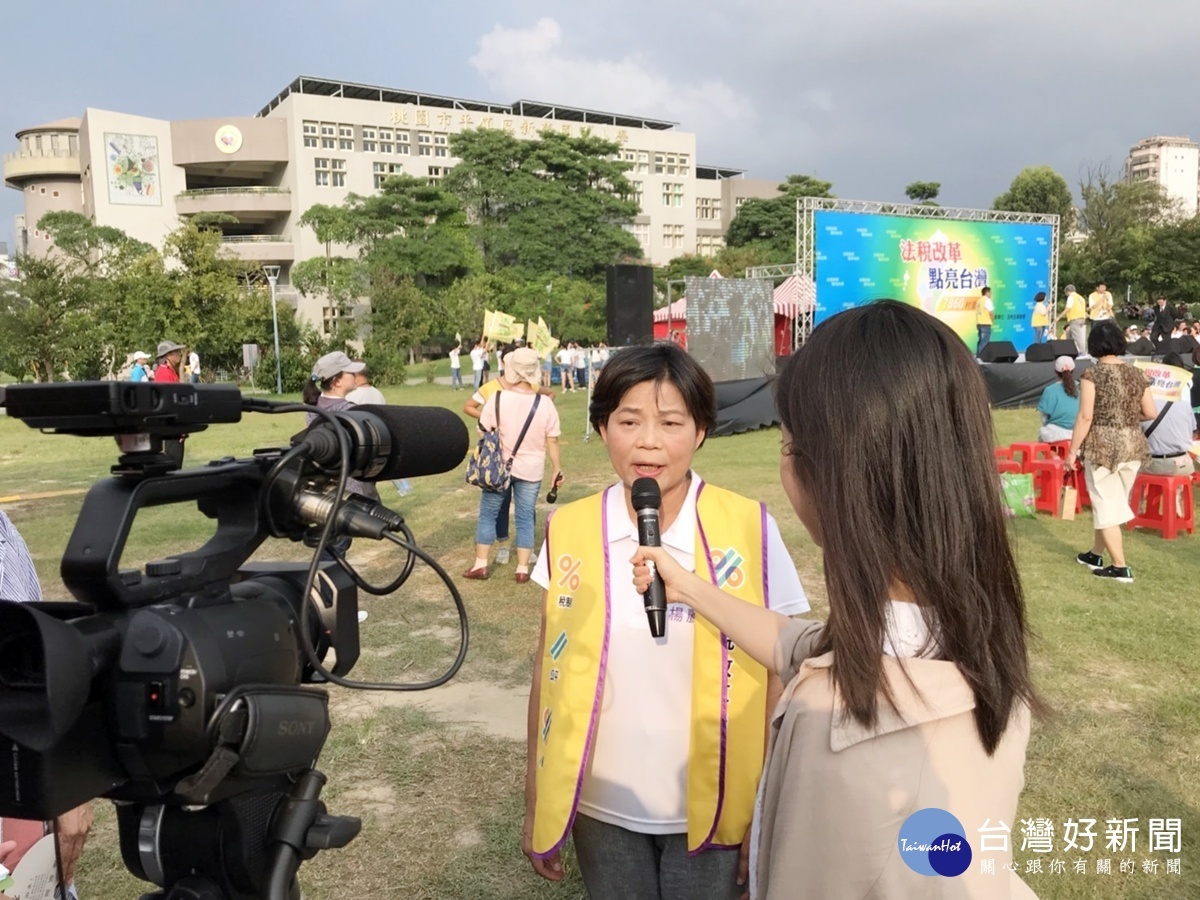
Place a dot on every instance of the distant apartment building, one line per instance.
(319, 140)
(1174, 163)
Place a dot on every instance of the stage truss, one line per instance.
(806, 244)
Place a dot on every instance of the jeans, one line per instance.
(477, 374)
(456, 378)
(1039, 334)
(524, 494)
(502, 515)
(985, 335)
(619, 863)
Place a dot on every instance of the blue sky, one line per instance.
(868, 94)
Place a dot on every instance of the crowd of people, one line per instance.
(170, 366)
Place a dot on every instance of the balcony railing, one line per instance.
(41, 154)
(255, 239)
(248, 189)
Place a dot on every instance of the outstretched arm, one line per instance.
(753, 628)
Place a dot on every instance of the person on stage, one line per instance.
(916, 693)
(646, 752)
(985, 312)
(1041, 318)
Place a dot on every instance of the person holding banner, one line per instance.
(1114, 398)
(1171, 438)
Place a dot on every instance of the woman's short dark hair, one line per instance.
(893, 443)
(1106, 339)
(986, 292)
(657, 363)
(1039, 297)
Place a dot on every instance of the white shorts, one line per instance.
(1109, 491)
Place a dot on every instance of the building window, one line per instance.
(369, 143)
(436, 173)
(641, 231)
(328, 141)
(658, 164)
(321, 165)
(339, 172)
(310, 134)
(440, 145)
(709, 244)
(629, 156)
(402, 143)
(684, 164)
(672, 193)
(54, 193)
(424, 143)
(737, 203)
(385, 141)
(636, 194)
(708, 208)
(672, 236)
(73, 144)
(643, 166)
(384, 171)
(345, 137)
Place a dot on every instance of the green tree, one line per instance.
(46, 317)
(557, 204)
(1039, 189)
(770, 225)
(924, 192)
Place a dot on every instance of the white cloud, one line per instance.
(532, 64)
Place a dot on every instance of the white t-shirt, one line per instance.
(637, 778)
(454, 354)
(194, 362)
(368, 393)
(565, 356)
(579, 357)
(477, 359)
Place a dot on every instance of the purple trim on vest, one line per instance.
(591, 734)
(766, 569)
(707, 844)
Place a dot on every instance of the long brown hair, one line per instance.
(1068, 382)
(893, 442)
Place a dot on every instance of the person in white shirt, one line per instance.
(631, 808)
(478, 354)
(364, 391)
(456, 367)
(193, 366)
(566, 364)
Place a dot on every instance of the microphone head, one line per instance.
(426, 440)
(645, 494)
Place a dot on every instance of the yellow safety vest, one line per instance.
(729, 690)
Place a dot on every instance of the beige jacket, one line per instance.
(835, 794)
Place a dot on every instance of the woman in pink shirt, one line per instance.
(511, 409)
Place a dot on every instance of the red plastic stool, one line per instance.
(1047, 484)
(1030, 451)
(1008, 465)
(1060, 448)
(1002, 453)
(1158, 492)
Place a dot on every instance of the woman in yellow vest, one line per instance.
(1041, 318)
(905, 717)
(647, 752)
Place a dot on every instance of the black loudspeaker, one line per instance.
(1141, 347)
(999, 352)
(1038, 353)
(630, 305)
(1064, 348)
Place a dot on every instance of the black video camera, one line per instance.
(177, 689)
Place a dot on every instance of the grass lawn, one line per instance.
(437, 777)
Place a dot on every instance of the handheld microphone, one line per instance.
(647, 499)
(552, 497)
(390, 442)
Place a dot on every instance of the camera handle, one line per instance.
(241, 841)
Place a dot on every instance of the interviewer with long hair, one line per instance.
(916, 693)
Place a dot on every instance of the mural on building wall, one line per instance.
(132, 169)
